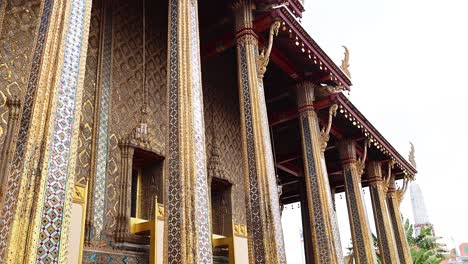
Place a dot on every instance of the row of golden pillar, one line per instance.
(187, 222)
(320, 235)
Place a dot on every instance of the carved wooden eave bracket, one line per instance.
(325, 132)
(350, 115)
(264, 56)
(387, 179)
(400, 192)
(361, 162)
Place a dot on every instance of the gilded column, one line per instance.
(321, 214)
(385, 236)
(34, 222)
(123, 212)
(12, 123)
(263, 214)
(101, 140)
(306, 226)
(187, 220)
(394, 198)
(352, 170)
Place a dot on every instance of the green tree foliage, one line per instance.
(424, 248)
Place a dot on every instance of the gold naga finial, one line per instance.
(400, 192)
(264, 56)
(325, 132)
(345, 62)
(412, 159)
(361, 162)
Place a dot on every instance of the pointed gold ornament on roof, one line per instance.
(412, 159)
(345, 62)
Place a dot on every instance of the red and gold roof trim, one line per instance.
(357, 119)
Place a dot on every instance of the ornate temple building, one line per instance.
(137, 131)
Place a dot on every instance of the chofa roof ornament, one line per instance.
(411, 157)
(345, 62)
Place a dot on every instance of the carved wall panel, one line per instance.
(89, 93)
(221, 102)
(127, 84)
(19, 28)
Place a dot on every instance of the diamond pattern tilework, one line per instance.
(221, 101)
(13, 184)
(202, 216)
(254, 216)
(126, 83)
(334, 219)
(174, 217)
(394, 213)
(317, 218)
(89, 89)
(17, 49)
(382, 231)
(276, 229)
(103, 128)
(57, 176)
(355, 215)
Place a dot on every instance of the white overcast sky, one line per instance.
(408, 62)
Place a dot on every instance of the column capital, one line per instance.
(347, 151)
(244, 32)
(305, 95)
(374, 172)
(391, 185)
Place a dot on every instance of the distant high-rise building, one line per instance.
(421, 217)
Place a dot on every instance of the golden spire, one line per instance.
(345, 62)
(412, 160)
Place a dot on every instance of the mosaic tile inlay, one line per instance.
(103, 128)
(331, 209)
(319, 224)
(254, 216)
(379, 215)
(187, 194)
(271, 178)
(9, 206)
(394, 213)
(174, 202)
(352, 199)
(50, 230)
(202, 216)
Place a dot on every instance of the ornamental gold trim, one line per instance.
(79, 193)
(345, 62)
(264, 56)
(240, 230)
(325, 132)
(160, 212)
